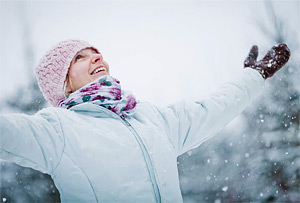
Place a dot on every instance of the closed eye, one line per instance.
(78, 57)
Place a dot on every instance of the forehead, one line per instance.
(88, 50)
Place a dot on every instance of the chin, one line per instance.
(101, 74)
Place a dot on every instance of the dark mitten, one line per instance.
(275, 59)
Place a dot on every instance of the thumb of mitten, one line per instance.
(251, 58)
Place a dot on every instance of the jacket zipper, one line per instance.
(147, 159)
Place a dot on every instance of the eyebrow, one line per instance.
(94, 50)
(80, 53)
(89, 49)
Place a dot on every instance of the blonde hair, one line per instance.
(66, 93)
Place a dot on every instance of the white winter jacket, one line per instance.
(93, 155)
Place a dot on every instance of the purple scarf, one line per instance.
(105, 91)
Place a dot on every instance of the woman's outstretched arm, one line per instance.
(31, 141)
(188, 124)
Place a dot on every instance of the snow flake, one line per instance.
(224, 189)
(217, 201)
(290, 70)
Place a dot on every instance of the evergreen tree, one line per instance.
(275, 123)
(21, 184)
(258, 158)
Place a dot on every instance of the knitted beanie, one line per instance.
(52, 69)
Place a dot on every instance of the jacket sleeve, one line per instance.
(188, 124)
(31, 141)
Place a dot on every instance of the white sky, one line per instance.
(162, 51)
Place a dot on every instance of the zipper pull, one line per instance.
(124, 119)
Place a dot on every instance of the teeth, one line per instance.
(98, 70)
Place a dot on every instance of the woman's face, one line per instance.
(86, 66)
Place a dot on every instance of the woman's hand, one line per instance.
(275, 59)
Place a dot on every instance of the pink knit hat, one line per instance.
(53, 68)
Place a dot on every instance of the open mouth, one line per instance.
(97, 70)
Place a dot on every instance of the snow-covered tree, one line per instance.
(257, 158)
(275, 123)
(20, 184)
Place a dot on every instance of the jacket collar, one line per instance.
(93, 110)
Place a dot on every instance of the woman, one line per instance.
(100, 145)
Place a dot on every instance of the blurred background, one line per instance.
(165, 51)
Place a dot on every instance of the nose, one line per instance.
(96, 58)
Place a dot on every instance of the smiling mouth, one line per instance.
(97, 70)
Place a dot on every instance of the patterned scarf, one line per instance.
(105, 91)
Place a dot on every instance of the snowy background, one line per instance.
(165, 51)
(188, 47)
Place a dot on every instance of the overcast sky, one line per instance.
(163, 51)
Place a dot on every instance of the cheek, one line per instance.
(73, 74)
(77, 77)
(75, 71)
